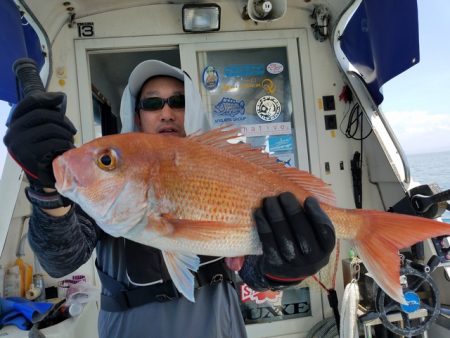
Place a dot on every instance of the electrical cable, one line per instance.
(355, 123)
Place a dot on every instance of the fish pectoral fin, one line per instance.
(179, 265)
(199, 230)
(160, 224)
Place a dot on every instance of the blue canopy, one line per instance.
(381, 40)
(17, 40)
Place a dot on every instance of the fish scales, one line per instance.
(196, 195)
(216, 191)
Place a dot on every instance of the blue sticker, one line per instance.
(413, 302)
(280, 143)
(229, 110)
(287, 159)
(210, 78)
(244, 70)
(286, 162)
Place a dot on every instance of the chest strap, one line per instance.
(123, 298)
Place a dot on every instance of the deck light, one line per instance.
(201, 18)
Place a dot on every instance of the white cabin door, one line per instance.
(256, 84)
(260, 81)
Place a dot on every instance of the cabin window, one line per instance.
(109, 73)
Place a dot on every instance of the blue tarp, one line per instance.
(17, 39)
(381, 40)
(21, 312)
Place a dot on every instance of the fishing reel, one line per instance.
(422, 295)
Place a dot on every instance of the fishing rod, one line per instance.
(28, 78)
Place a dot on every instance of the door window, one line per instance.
(251, 88)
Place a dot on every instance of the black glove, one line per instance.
(38, 131)
(297, 242)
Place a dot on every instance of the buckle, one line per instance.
(216, 279)
(162, 297)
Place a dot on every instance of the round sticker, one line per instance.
(275, 68)
(268, 108)
(210, 78)
(413, 302)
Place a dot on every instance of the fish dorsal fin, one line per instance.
(218, 138)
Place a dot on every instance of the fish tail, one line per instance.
(381, 236)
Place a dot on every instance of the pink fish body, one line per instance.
(195, 196)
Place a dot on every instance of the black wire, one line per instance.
(355, 118)
(355, 123)
(340, 125)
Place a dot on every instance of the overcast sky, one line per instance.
(415, 102)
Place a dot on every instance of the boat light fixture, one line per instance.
(201, 18)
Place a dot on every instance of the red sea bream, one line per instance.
(195, 196)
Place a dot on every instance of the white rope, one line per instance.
(349, 316)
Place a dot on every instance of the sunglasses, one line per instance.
(157, 103)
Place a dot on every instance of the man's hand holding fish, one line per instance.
(297, 242)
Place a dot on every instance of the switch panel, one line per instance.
(330, 122)
(328, 103)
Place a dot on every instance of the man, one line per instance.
(138, 297)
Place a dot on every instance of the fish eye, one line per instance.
(107, 160)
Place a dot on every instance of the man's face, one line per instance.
(166, 120)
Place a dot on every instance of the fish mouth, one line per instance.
(65, 180)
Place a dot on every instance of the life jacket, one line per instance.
(150, 280)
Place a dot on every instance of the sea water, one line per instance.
(432, 168)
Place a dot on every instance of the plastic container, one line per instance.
(26, 276)
(11, 284)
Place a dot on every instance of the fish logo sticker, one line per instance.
(210, 78)
(229, 110)
(287, 163)
(288, 159)
(268, 108)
